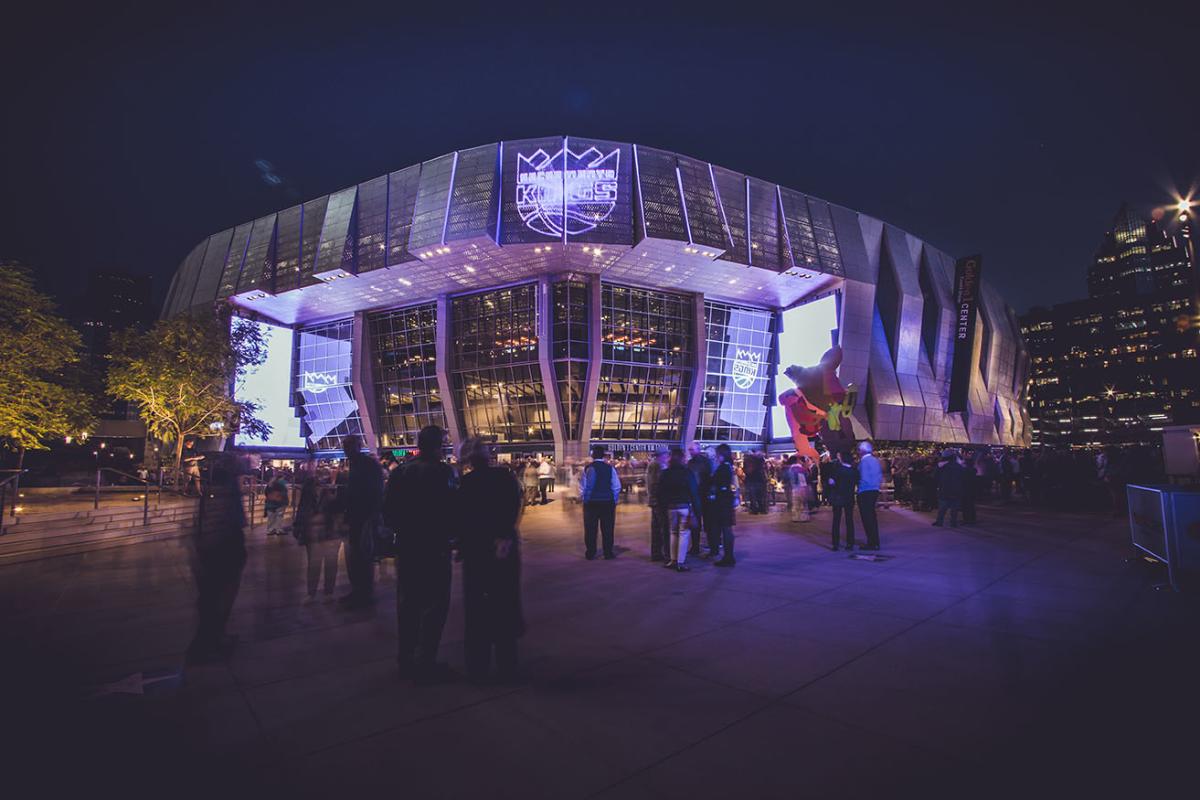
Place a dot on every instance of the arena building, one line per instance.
(557, 292)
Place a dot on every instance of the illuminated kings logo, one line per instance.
(745, 368)
(572, 192)
(318, 382)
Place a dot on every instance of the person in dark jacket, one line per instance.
(724, 490)
(424, 508)
(220, 555)
(678, 494)
(951, 477)
(843, 478)
(363, 499)
(967, 502)
(660, 547)
(702, 467)
(490, 499)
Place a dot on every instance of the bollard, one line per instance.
(146, 505)
(96, 501)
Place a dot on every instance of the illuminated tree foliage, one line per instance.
(40, 371)
(180, 375)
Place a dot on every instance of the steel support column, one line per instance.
(443, 362)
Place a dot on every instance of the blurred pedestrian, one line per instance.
(490, 501)
(363, 496)
(428, 507)
(660, 549)
(951, 475)
(220, 555)
(318, 526)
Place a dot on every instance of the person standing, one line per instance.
(724, 492)
(968, 489)
(677, 493)
(424, 507)
(545, 476)
(275, 503)
(316, 527)
(529, 479)
(660, 549)
(795, 478)
(599, 490)
(491, 502)
(363, 498)
(220, 555)
(870, 480)
(843, 478)
(702, 467)
(950, 478)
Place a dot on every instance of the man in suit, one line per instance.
(843, 478)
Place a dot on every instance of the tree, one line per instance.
(181, 373)
(40, 370)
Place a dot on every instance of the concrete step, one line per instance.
(103, 522)
(35, 552)
(68, 531)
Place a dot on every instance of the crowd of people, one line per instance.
(428, 510)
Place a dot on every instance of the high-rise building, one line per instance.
(112, 301)
(1119, 366)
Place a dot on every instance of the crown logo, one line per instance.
(318, 382)
(567, 191)
(745, 368)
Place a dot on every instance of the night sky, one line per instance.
(132, 134)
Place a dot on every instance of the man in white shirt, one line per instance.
(545, 476)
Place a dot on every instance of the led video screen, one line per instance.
(808, 331)
(269, 385)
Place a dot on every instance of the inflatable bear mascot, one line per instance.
(820, 406)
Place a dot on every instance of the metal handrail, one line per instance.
(145, 492)
(4, 493)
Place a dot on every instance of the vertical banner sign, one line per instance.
(966, 308)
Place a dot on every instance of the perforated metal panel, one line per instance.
(476, 192)
(287, 249)
(402, 199)
(700, 202)
(827, 244)
(336, 248)
(429, 212)
(233, 261)
(531, 220)
(370, 217)
(260, 256)
(662, 206)
(590, 186)
(731, 193)
(764, 225)
(211, 267)
(799, 229)
(186, 284)
(313, 223)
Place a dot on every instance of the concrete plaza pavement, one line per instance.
(1023, 654)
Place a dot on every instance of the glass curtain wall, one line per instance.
(323, 367)
(496, 377)
(404, 361)
(646, 367)
(738, 357)
(571, 349)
